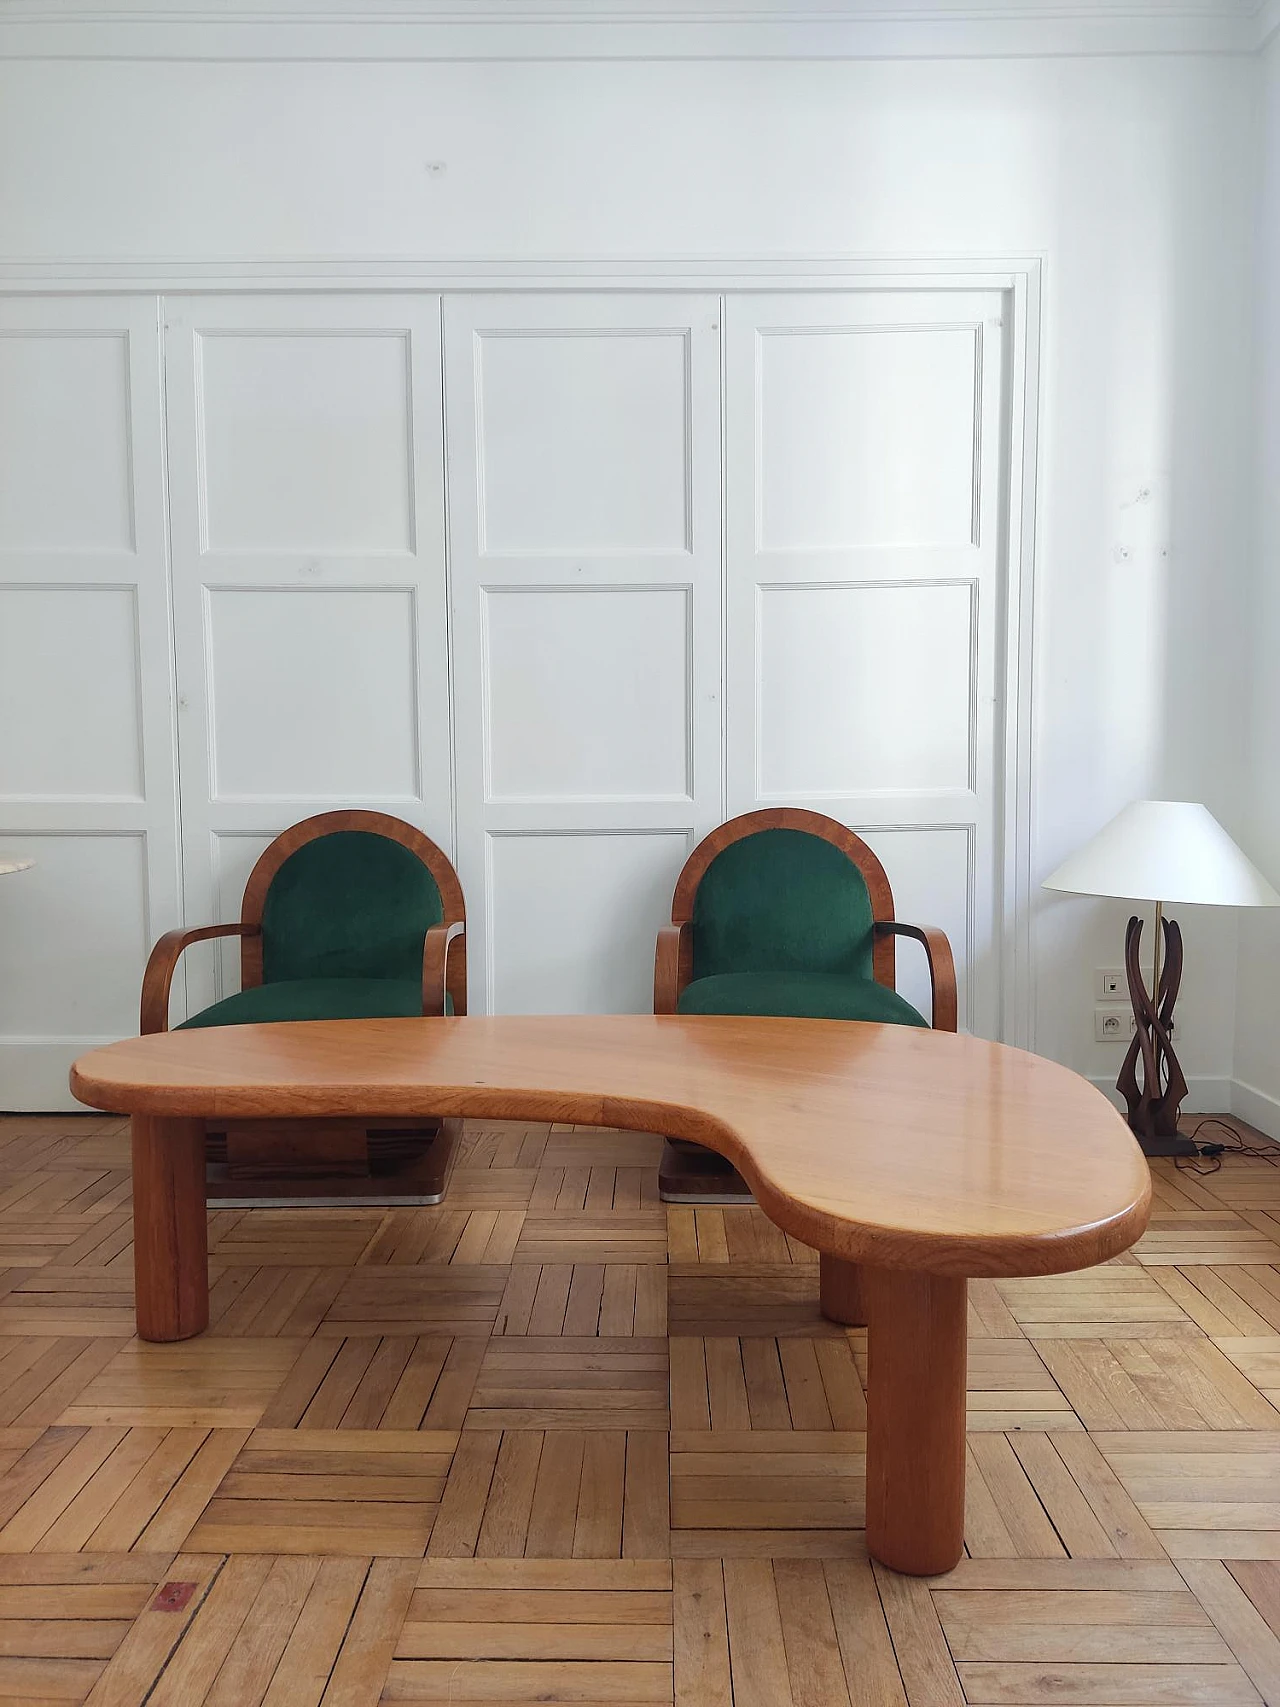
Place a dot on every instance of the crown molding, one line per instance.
(627, 29)
(718, 272)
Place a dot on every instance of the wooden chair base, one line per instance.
(688, 1173)
(283, 1164)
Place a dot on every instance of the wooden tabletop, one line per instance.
(890, 1145)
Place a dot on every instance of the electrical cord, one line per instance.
(1208, 1159)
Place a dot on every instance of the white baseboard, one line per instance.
(1205, 1095)
(1209, 1095)
(34, 1073)
(1259, 1108)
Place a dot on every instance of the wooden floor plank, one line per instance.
(815, 1667)
(702, 1676)
(1108, 1684)
(447, 1455)
(131, 1674)
(466, 1492)
(211, 1634)
(1077, 1524)
(369, 1643)
(1125, 1527)
(757, 1648)
(597, 1531)
(862, 1632)
(1246, 1632)
(924, 1659)
(646, 1509)
(309, 1655)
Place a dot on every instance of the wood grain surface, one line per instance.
(884, 1144)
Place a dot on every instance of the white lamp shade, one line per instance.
(1165, 850)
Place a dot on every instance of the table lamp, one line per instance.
(1169, 852)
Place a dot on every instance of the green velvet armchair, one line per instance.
(784, 912)
(348, 915)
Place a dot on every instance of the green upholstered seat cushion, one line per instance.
(798, 995)
(316, 998)
(351, 904)
(782, 901)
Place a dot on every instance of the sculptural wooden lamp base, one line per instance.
(1154, 1098)
(1162, 851)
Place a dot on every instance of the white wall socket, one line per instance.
(1110, 983)
(1117, 1025)
(1112, 1025)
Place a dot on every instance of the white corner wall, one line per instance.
(1133, 178)
(1257, 1057)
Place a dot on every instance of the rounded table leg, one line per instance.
(170, 1230)
(916, 1356)
(840, 1291)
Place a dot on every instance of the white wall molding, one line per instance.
(1207, 1093)
(172, 277)
(1258, 1107)
(638, 29)
(34, 1071)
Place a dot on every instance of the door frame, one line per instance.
(1020, 276)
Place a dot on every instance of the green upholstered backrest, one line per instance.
(351, 904)
(782, 901)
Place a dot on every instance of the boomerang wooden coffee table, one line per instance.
(909, 1159)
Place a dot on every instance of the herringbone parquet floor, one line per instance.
(552, 1443)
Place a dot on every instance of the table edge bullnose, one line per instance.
(947, 1252)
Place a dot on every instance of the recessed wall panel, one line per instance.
(929, 870)
(314, 693)
(73, 936)
(70, 722)
(65, 475)
(306, 443)
(865, 688)
(234, 857)
(867, 437)
(587, 692)
(583, 441)
(573, 919)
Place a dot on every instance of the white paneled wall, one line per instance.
(585, 556)
(87, 786)
(866, 485)
(699, 553)
(305, 457)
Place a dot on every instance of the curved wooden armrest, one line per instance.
(942, 969)
(163, 963)
(672, 966)
(435, 966)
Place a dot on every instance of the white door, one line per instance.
(866, 578)
(585, 565)
(308, 566)
(86, 737)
